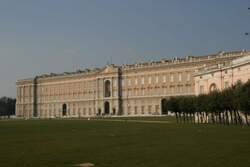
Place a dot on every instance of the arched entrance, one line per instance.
(164, 110)
(106, 107)
(64, 109)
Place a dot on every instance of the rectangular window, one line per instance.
(164, 78)
(172, 89)
(172, 77)
(201, 89)
(149, 80)
(115, 83)
(188, 76)
(143, 92)
(180, 77)
(135, 110)
(142, 109)
(156, 79)
(149, 109)
(226, 84)
(157, 107)
(129, 82)
(142, 80)
(181, 89)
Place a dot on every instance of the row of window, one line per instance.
(88, 88)
(89, 111)
(153, 79)
(157, 91)
(125, 93)
(141, 110)
(225, 72)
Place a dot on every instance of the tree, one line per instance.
(187, 107)
(237, 91)
(7, 106)
(201, 106)
(173, 105)
(244, 100)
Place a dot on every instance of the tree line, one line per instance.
(7, 106)
(230, 106)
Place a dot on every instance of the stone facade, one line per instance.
(222, 76)
(128, 90)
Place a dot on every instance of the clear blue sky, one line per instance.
(43, 36)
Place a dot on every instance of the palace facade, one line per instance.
(221, 76)
(128, 90)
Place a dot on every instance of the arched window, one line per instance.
(107, 90)
(212, 87)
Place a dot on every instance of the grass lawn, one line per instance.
(63, 143)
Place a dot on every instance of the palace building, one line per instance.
(221, 76)
(127, 90)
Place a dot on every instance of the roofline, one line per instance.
(171, 61)
(221, 69)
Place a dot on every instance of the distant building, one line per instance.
(128, 90)
(223, 75)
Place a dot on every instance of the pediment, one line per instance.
(109, 69)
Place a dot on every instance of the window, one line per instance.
(135, 92)
(201, 89)
(136, 81)
(84, 111)
(115, 83)
(172, 89)
(226, 84)
(135, 110)
(90, 111)
(129, 82)
(149, 109)
(188, 89)
(225, 71)
(212, 87)
(181, 89)
(107, 88)
(142, 80)
(156, 79)
(180, 77)
(128, 93)
(188, 76)
(143, 92)
(123, 83)
(164, 78)
(172, 78)
(129, 110)
(149, 80)
(142, 109)
(157, 107)
(165, 90)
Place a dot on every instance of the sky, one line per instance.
(44, 36)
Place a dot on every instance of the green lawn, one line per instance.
(61, 143)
